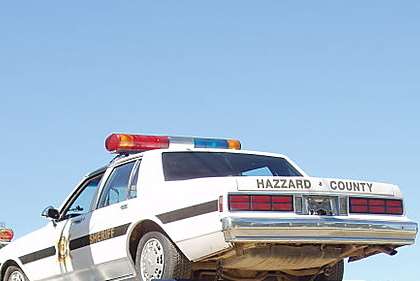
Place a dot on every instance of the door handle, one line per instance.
(123, 206)
(78, 220)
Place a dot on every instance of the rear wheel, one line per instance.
(14, 273)
(335, 273)
(158, 258)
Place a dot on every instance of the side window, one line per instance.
(83, 202)
(116, 188)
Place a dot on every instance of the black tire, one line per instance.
(336, 273)
(175, 264)
(11, 270)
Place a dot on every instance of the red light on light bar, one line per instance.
(261, 203)
(6, 235)
(376, 206)
(119, 143)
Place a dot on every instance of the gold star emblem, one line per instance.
(63, 249)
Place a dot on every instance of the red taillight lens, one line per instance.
(359, 209)
(376, 206)
(6, 235)
(261, 203)
(394, 207)
(239, 203)
(282, 203)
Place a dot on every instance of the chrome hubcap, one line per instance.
(152, 260)
(16, 276)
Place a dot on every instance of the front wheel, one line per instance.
(158, 258)
(14, 273)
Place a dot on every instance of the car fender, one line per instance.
(135, 227)
(9, 262)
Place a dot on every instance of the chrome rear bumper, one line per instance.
(323, 230)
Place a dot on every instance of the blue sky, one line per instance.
(332, 84)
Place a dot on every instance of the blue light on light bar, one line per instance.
(211, 143)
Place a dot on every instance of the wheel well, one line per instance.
(138, 231)
(5, 266)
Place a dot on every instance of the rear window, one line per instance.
(192, 165)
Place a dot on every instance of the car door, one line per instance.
(39, 252)
(111, 220)
(73, 252)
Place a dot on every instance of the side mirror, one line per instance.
(50, 212)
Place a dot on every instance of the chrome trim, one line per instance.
(328, 230)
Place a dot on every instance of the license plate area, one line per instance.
(321, 205)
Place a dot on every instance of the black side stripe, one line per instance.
(189, 212)
(78, 243)
(38, 255)
(98, 237)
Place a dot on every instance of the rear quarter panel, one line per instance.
(188, 212)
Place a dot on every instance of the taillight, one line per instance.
(394, 207)
(261, 203)
(239, 202)
(376, 206)
(282, 203)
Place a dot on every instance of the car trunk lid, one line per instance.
(314, 185)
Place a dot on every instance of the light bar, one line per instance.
(6, 235)
(127, 143)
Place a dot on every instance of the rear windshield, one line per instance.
(192, 165)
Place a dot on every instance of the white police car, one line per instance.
(175, 207)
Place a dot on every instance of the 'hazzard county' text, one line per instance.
(283, 184)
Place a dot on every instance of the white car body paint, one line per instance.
(197, 237)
